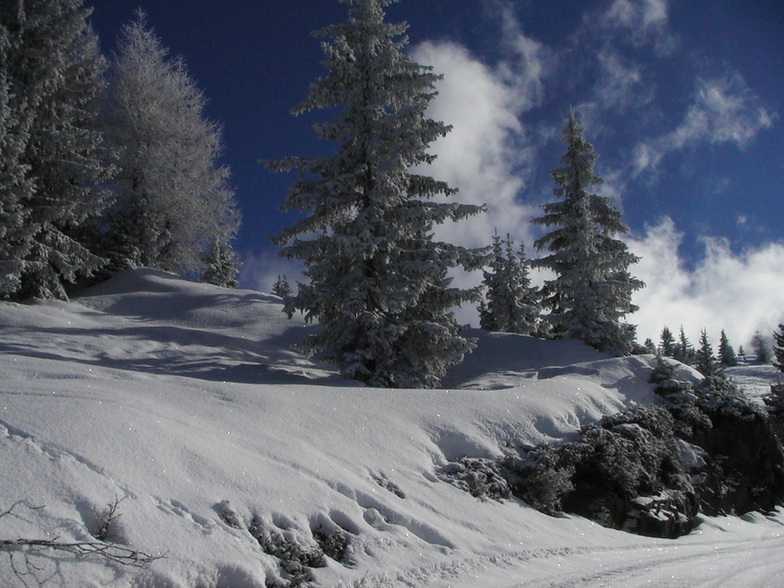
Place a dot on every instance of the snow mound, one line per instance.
(187, 405)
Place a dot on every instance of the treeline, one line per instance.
(107, 162)
(377, 280)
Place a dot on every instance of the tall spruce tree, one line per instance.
(174, 205)
(15, 184)
(593, 288)
(378, 281)
(55, 86)
(512, 303)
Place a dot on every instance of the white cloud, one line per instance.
(641, 21)
(724, 110)
(739, 293)
(485, 155)
(260, 270)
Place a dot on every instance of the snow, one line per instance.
(186, 402)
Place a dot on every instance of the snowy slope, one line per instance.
(173, 397)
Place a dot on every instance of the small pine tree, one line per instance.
(282, 288)
(377, 281)
(761, 348)
(667, 343)
(512, 303)
(649, 346)
(704, 360)
(742, 353)
(727, 355)
(593, 288)
(684, 351)
(221, 265)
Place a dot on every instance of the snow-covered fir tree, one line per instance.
(55, 86)
(377, 279)
(592, 291)
(15, 185)
(727, 355)
(173, 200)
(704, 360)
(282, 288)
(649, 346)
(221, 265)
(667, 343)
(512, 304)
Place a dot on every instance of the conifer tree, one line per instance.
(55, 77)
(684, 350)
(727, 356)
(593, 288)
(173, 202)
(649, 346)
(778, 350)
(512, 303)
(282, 288)
(15, 185)
(221, 265)
(667, 343)
(377, 280)
(705, 362)
(761, 348)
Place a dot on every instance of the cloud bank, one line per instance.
(737, 292)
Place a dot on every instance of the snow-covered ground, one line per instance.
(170, 398)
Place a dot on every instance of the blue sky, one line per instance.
(683, 100)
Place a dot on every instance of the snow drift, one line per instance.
(186, 406)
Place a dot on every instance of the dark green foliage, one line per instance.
(774, 403)
(761, 348)
(282, 288)
(778, 350)
(667, 343)
(684, 350)
(704, 360)
(727, 356)
(482, 478)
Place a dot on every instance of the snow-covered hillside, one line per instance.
(185, 405)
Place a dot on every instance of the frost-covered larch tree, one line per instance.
(377, 279)
(54, 86)
(512, 304)
(593, 287)
(173, 201)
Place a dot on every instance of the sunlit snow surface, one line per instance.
(175, 396)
